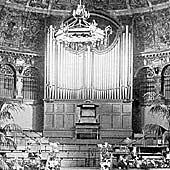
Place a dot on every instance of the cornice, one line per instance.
(18, 53)
(149, 54)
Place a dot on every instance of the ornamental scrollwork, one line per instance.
(146, 73)
(31, 72)
(7, 70)
(167, 71)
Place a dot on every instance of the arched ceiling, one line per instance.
(64, 7)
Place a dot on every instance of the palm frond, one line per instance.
(12, 127)
(16, 107)
(166, 137)
(3, 165)
(10, 142)
(160, 109)
(8, 108)
(154, 129)
(5, 115)
(2, 138)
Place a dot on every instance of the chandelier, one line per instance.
(80, 33)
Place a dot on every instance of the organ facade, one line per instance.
(89, 57)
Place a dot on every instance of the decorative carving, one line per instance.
(146, 73)
(144, 84)
(167, 71)
(79, 33)
(19, 87)
(5, 69)
(31, 72)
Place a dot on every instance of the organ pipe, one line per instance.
(89, 74)
(118, 68)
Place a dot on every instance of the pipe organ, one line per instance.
(88, 64)
(89, 73)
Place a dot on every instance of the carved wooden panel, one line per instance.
(70, 108)
(116, 122)
(68, 121)
(126, 121)
(116, 108)
(49, 123)
(105, 121)
(59, 108)
(49, 108)
(59, 121)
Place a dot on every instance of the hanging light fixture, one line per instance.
(80, 32)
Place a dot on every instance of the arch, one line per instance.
(105, 23)
(31, 83)
(142, 67)
(165, 81)
(144, 82)
(7, 81)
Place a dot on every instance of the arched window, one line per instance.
(31, 84)
(144, 83)
(7, 81)
(166, 82)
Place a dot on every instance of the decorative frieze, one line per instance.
(20, 78)
(155, 60)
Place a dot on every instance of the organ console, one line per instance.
(88, 125)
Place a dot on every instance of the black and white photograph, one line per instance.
(84, 84)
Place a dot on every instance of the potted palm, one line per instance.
(7, 123)
(160, 109)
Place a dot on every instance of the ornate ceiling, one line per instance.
(60, 7)
(22, 22)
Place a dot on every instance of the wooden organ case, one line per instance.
(89, 57)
